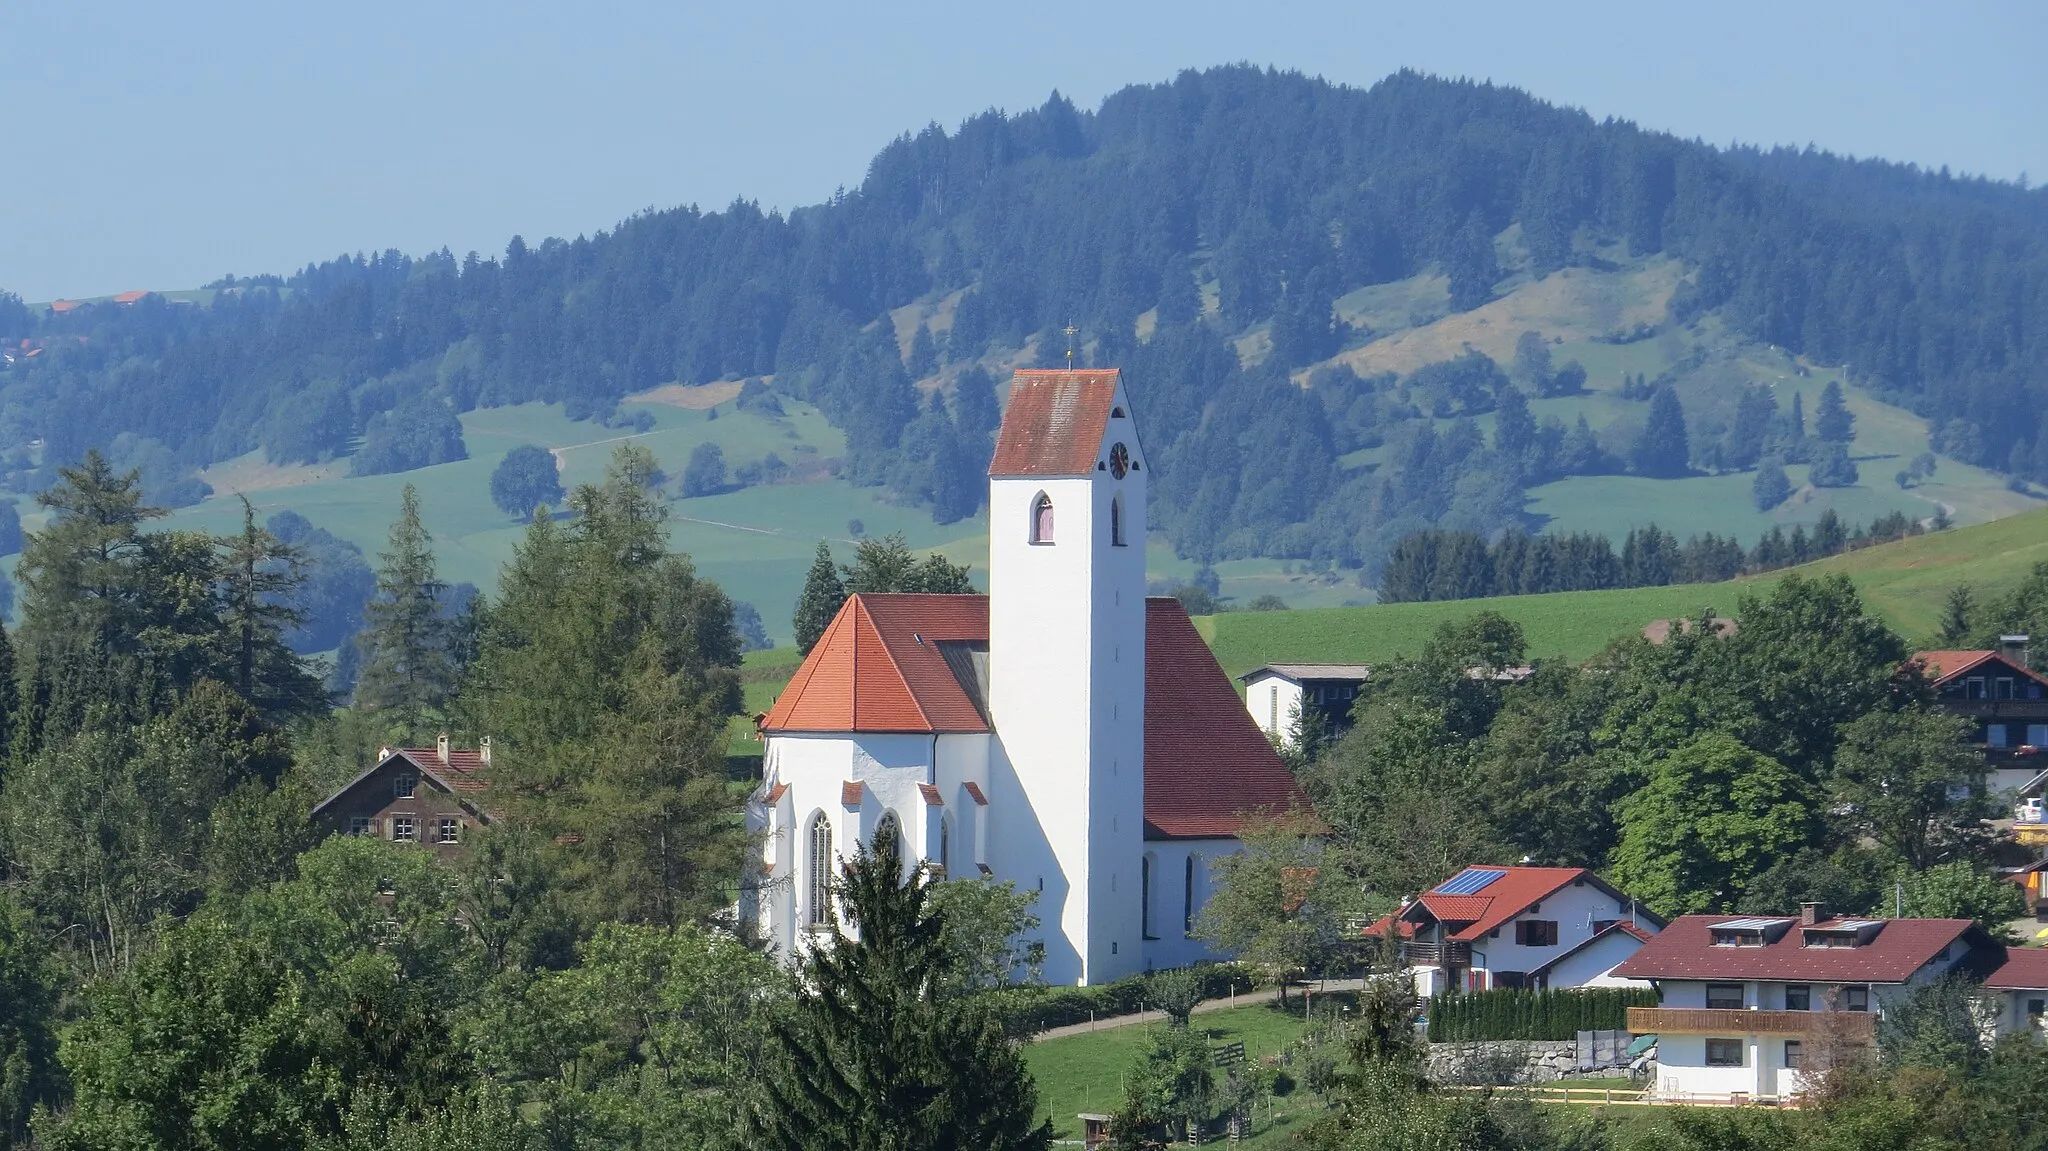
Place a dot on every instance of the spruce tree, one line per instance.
(406, 668)
(1771, 486)
(260, 576)
(924, 354)
(1958, 615)
(1834, 421)
(822, 596)
(876, 1054)
(1661, 451)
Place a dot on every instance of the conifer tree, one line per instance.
(1958, 615)
(80, 575)
(406, 668)
(1661, 451)
(823, 593)
(1771, 487)
(259, 575)
(1834, 421)
(924, 354)
(876, 1054)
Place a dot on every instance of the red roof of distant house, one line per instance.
(1943, 666)
(1467, 917)
(465, 774)
(129, 297)
(61, 306)
(1686, 950)
(1054, 423)
(878, 668)
(2023, 969)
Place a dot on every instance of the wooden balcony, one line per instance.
(1996, 708)
(1858, 1026)
(1436, 955)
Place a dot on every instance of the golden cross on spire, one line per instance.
(1070, 329)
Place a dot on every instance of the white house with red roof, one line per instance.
(1063, 732)
(1746, 1002)
(1533, 927)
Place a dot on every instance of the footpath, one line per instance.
(1248, 999)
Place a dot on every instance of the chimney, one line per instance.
(1812, 913)
(2014, 649)
(483, 751)
(441, 749)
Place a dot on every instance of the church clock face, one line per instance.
(1119, 461)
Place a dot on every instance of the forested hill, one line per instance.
(1198, 233)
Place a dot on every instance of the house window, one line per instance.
(2036, 1008)
(1973, 688)
(818, 907)
(1724, 996)
(1273, 711)
(1798, 997)
(1794, 1053)
(1187, 901)
(1724, 1052)
(1994, 734)
(404, 784)
(359, 825)
(1041, 519)
(450, 829)
(1116, 522)
(2037, 734)
(1536, 932)
(1855, 998)
(404, 829)
(2004, 685)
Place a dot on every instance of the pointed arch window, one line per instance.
(946, 844)
(1145, 896)
(894, 827)
(818, 900)
(1041, 519)
(1187, 901)
(1116, 521)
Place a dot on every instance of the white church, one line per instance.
(1063, 732)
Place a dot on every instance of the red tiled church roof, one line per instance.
(1686, 950)
(1054, 423)
(1206, 761)
(878, 669)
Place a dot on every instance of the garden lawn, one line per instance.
(1085, 1073)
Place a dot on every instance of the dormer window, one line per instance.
(1041, 519)
(1752, 932)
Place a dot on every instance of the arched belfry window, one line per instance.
(818, 900)
(1116, 521)
(1041, 519)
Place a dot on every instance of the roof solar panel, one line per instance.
(1468, 881)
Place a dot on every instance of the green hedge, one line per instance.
(1029, 1010)
(1516, 1014)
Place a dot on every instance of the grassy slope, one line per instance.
(1085, 1073)
(1904, 581)
(757, 542)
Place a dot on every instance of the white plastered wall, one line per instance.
(1172, 945)
(1273, 702)
(1574, 909)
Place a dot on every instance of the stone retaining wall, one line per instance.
(1505, 1061)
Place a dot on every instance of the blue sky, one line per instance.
(157, 145)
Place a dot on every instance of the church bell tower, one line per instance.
(1067, 665)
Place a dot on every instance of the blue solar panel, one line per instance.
(1469, 880)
